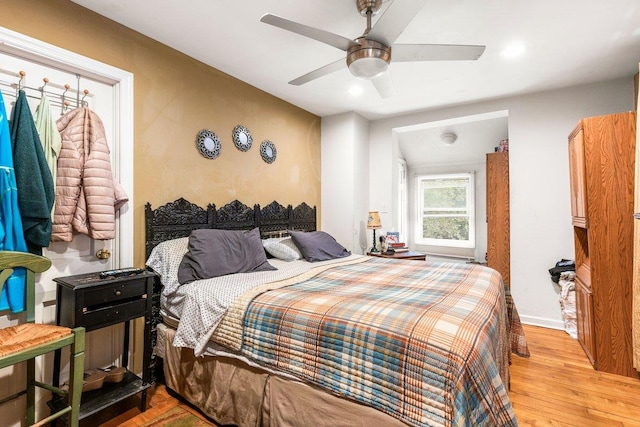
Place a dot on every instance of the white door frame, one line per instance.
(122, 81)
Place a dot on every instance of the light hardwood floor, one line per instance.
(556, 386)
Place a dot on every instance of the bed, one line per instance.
(343, 340)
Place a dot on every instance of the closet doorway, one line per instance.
(107, 91)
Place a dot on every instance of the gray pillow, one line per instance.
(318, 245)
(214, 253)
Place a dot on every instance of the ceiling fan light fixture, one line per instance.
(368, 59)
(368, 68)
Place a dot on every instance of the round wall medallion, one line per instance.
(268, 151)
(208, 144)
(242, 138)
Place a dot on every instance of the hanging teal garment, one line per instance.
(11, 233)
(36, 193)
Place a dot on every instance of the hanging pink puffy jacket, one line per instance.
(87, 196)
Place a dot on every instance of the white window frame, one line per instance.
(403, 197)
(470, 209)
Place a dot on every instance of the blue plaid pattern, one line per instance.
(426, 343)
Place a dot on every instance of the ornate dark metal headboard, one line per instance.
(177, 219)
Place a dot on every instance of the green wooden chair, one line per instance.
(25, 341)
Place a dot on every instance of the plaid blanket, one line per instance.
(426, 343)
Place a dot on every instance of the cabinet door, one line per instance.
(584, 320)
(578, 179)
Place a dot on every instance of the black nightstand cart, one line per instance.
(89, 301)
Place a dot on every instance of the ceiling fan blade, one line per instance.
(384, 85)
(435, 52)
(322, 71)
(394, 20)
(326, 37)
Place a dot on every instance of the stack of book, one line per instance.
(399, 247)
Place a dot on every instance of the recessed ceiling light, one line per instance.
(514, 50)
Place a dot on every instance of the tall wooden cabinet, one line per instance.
(602, 162)
(498, 219)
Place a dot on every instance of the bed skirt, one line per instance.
(231, 392)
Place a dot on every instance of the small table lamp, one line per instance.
(373, 223)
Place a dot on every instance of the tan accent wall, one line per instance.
(176, 97)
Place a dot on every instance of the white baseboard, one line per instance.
(543, 322)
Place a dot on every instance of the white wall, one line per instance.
(345, 178)
(541, 231)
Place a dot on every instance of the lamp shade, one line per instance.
(373, 221)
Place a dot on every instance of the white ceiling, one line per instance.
(422, 146)
(567, 42)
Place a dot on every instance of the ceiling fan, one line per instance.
(369, 55)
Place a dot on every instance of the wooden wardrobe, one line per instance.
(602, 162)
(498, 219)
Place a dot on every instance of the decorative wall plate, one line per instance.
(208, 144)
(242, 138)
(268, 151)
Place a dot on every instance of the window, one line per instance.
(446, 215)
